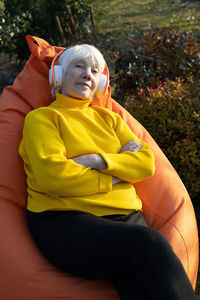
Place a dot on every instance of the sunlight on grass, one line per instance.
(141, 13)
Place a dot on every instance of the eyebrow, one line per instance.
(85, 61)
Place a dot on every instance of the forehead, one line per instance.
(88, 61)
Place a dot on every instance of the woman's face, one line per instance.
(81, 79)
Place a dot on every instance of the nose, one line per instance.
(87, 73)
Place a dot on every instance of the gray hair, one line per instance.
(79, 52)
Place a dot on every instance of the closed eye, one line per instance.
(79, 66)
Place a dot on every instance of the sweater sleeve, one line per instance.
(53, 172)
(129, 166)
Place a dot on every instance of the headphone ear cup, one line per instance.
(102, 84)
(55, 76)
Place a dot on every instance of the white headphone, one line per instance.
(56, 76)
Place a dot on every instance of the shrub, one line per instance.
(171, 113)
(160, 54)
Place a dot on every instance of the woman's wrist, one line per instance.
(100, 162)
(94, 161)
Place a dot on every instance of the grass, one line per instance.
(114, 14)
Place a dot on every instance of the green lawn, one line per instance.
(115, 15)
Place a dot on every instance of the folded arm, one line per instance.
(135, 161)
(96, 161)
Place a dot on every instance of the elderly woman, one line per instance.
(83, 210)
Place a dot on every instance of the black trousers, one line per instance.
(138, 259)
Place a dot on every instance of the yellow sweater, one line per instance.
(68, 128)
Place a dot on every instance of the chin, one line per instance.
(83, 96)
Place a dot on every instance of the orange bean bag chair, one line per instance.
(24, 271)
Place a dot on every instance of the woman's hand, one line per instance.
(94, 161)
(131, 146)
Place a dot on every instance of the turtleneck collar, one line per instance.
(70, 102)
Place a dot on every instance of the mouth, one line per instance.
(84, 84)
